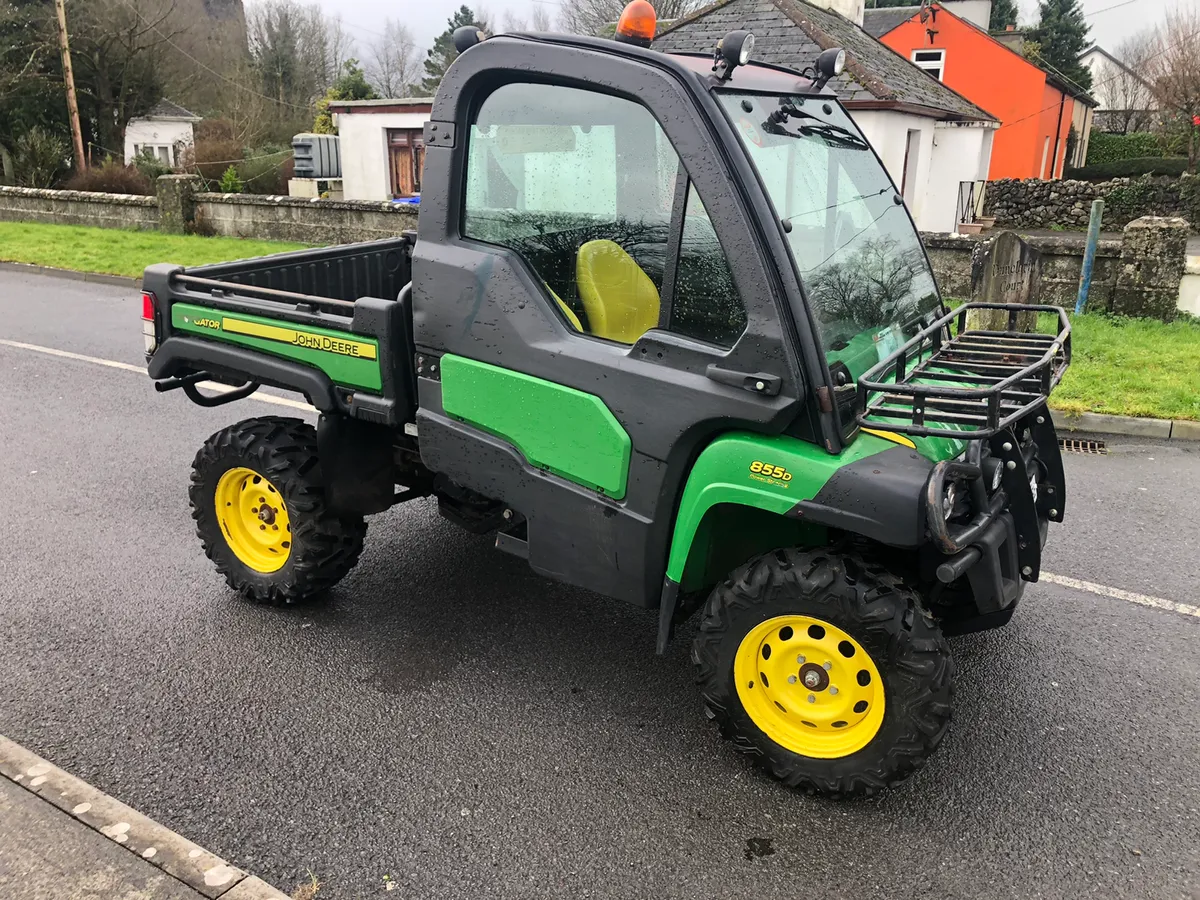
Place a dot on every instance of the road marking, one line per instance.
(1118, 594)
(141, 370)
(50, 351)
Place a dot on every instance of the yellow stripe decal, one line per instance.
(891, 436)
(299, 338)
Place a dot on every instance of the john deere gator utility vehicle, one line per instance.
(667, 330)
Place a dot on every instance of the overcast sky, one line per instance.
(427, 18)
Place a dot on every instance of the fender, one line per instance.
(872, 488)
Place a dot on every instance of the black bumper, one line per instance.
(999, 548)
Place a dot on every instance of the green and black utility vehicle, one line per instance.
(667, 330)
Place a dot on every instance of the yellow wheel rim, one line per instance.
(809, 686)
(254, 520)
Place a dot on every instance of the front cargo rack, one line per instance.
(951, 382)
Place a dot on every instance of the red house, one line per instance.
(1037, 108)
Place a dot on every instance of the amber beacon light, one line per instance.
(638, 24)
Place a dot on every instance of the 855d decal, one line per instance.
(769, 473)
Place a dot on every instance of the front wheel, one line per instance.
(826, 670)
(261, 514)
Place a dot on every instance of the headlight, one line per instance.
(993, 470)
(949, 499)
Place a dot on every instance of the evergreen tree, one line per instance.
(1061, 35)
(442, 53)
(1004, 13)
(350, 85)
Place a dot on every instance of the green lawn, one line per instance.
(115, 252)
(1132, 367)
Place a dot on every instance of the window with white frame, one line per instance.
(932, 61)
(162, 152)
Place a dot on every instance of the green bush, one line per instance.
(1129, 168)
(150, 165)
(1111, 148)
(39, 157)
(230, 182)
(266, 172)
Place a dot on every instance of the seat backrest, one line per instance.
(619, 298)
(572, 319)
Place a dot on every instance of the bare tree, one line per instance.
(393, 61)
(1176, 70)
(242, 104)
(538, 20)
(1125, 91)
(599, 16)
(120, 51)
(297, 50)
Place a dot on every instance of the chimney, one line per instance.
(847, 9)
(1010, 28)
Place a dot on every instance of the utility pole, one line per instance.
(69, 78)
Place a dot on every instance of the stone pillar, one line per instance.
(177, 209)
(1153, 257)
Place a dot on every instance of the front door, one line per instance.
(595, 323)
(406, 151)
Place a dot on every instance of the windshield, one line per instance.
(861, 261)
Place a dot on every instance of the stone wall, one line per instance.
(952, 256)
(78, 208)
(1140, 274)
(301, 220)
(1033, 203)
(177, 208)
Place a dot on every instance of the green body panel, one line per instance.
(722, 474)
(352, 361)
(556, 428)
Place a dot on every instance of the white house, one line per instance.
(1127, 100)
(164, 131)
(382, 144)
(936, 144)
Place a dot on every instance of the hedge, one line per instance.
(1129, 168)
(1111, 148)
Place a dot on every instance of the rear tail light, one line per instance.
(149, 331)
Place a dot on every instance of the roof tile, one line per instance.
(793, 33)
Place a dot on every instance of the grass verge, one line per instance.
(115, 252)
(1132, 367)
(1128, 367)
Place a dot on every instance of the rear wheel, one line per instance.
(825, 669)
(261, 515)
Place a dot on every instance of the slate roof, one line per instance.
(878, 22)
(793, 33)
(165, 109)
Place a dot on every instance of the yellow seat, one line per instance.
(572, 319)
(620, 300)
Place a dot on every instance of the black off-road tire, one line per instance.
(324, 546)
(878, 611)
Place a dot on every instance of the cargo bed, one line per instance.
(333, 323)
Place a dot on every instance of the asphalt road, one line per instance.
(450, 722)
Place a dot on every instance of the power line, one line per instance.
(1110, 8)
